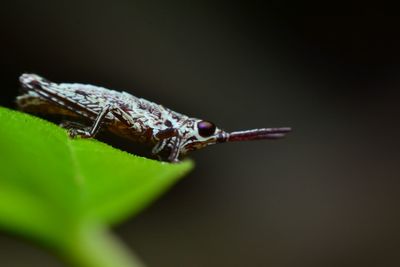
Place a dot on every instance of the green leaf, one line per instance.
(58, 190)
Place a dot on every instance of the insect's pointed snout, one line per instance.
(258, 134)
(31, 81)
(27, 78)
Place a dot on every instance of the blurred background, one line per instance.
(328, 195)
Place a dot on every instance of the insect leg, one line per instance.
(93, 130)
(175, 150)
(159, 146)
(164, 136)
(71, 124)
(74, 128)
(167, 133)
(123, 116)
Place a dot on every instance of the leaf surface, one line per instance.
(51, 184)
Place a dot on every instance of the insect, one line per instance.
(128, 116)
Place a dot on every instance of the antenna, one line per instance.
(257, 134)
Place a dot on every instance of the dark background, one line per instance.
(328, 195)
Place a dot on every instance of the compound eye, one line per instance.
(206, 128)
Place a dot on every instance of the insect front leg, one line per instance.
(174, 145)
(163, 136)
(175, 150)
(159, 147)
(166, 137)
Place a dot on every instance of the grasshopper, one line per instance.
(128, 116)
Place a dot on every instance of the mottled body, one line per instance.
(127, 116)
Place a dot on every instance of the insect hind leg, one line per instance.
(89, 132)
(67, 124)
(75, 128)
